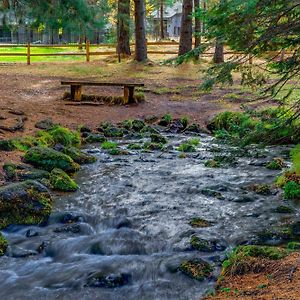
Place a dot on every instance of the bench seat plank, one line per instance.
(100, 83)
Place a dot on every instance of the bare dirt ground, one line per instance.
(280, 280)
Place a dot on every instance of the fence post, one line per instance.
(28, 54)
(87, 48)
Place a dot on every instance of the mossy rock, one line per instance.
(138, 125)
(158, 139)
(205, 245)
(7, 145)
(49, 159)
(193, 128)
(277, 163)
(165, 120)
(10, 171)
(283, 209)
(186, 148)
(95, 138)
(293, 246)
(65, 136)
(241, 260)
(78, 156)
(61, 181)
(212, 193)
(117, 151)
(261, 189)
(3, 244)
(134, 146)
(101, 280)
(153, 146)
(27, 203)
(211, 163)
(200, 223)
(196, 269)
(111, 131)
(148, 129)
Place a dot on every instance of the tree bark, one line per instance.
(140, 30)
(186, 32)
(123, 29)
(219, 52)
(197, 24)
(162, 26)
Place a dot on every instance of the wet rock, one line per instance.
(123, 222)
(118, 151)
(28, 202)
(110, 130)
(133, 146)
(276, 163)
(295, 227)
(176, 127)
(42, 247)
(85, 129)
(18, 252)
(49, 159)
(261, 189)
(100, 280)
(45, 124)
(153, 146)
(78, 156)
(31, 233)
(205, 245)
(3, 244)
(212, 193)
(158, 139)
(196, 269)
(274, 236)
(94, 138)
(194, 128)
(151, 119)
(70, 218)
(61, 181)
(244, 199)
(74, 228)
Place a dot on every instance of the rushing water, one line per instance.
(132, 217)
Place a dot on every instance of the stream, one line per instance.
(130, 221)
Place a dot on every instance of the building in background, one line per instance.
(172, 21)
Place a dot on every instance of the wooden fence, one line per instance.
(87, 53)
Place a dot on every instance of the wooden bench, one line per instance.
(76, 88)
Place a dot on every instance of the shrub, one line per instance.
(292, 190)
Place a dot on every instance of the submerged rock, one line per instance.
(100, 280)
(197, 269)
(158, 139)
(27, 202)
(49, 159)
(94, 138)
(78, 156)
(200, 223)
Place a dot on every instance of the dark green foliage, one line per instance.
(10, 171)
(138, 125)
(109, 145)
(262, 189)
(292, 190)
(165, 120)
(27, 202)
(61, 181)
(293, 246)
(277, 163)
(7, 145)
(197, 269)
(49, 159)
(189, 145)
(64, 136)
(256, 127)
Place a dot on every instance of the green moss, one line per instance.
(200, 223)
(295, 155)
(277, 163)
(95, 138)
(10, 171)
(196, 269)
(292, 190)
(49, 159)
(211, 163)
(117, 151)
(240, 261)
(189, 145)
(168, 118)
(184, 121)
(65, 136)
(262, 189)
(138, 125)
(109, 145)
(61, 181)
(3, 245)
(127, 124)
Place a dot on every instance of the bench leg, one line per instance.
(76, 92)
(128, 94)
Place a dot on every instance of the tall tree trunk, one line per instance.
(219, 51)
(197, 26)
(123, 29)
(162, 24)
(140, 30)
(204, 9)
(186, 32)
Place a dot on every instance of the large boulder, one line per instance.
(49, 159)
(61, 181)
(27, 203)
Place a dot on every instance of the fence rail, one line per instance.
(88, 53)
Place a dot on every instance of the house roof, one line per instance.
(169, 12)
